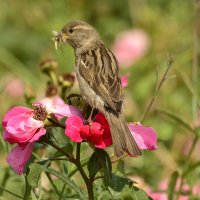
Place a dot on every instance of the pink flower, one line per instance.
(164, 186)
(158, 196)
(145, 137)
(21, 127)
(73, 128)
(130, 46)
(15, 88)
(24, 126)
(19, 156)
(98, 132)
(124, 81)
(58, 107)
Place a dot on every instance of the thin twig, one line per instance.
(56, 123)
(52, 183)
(186, 165)
(11, 193)
(158, 87)
(119, 158)
(76, 170)
(97, 177)
(78, 149)
(62, 192)
(69, 156)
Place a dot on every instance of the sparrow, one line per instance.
(98, 76)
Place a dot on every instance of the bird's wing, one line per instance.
(100, 70)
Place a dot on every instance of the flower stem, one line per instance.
(69, 156)
(76, 161)
(88, 182)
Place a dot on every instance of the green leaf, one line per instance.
(104, 195)
(140, 194)
(28, 186)
(120, 166)
(124, 188)
(66, 180)
(34, 174)
(15, 195)
(191, 168)
(4, 144)
(68, 148)
(172, 185)
(33, 196)
(177, 118)
(105, 163)
(117, 183)
(93, 165)
(65, 167)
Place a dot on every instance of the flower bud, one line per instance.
(51, 90)
(67, 80)
(48, 65)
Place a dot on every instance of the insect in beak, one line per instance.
(59, 38)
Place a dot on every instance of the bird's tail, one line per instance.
(121, 136)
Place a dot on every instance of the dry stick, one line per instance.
(157, 89)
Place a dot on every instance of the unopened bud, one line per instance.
(51, 90)
(67, 80)
(48, 65)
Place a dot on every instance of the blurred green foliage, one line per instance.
(26, 32)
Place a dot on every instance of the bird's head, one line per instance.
(78, 34)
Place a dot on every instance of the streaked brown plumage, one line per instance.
(98, 76)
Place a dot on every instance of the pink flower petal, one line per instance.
(21, 128)
(158, 196)
(8, 137)
(72, 130)
(85, 132)
(67, 111)
(145, 137)
(58, 101)
(13, 112)
(124, 80)
(106, 139)
(39, 133)
(96, 133)
(15, 88)
(19, 156)
(130, 46)
(58, 107)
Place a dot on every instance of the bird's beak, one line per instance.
(60, 38)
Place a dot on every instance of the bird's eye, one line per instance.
(71, 30)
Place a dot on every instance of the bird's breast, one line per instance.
(89, 94)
